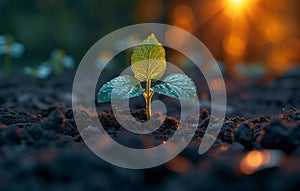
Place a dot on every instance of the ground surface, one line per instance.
(41, 149)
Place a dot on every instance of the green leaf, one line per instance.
(124, 87)
(178, 86)
(148, 61)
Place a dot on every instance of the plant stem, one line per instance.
(7, 63)
(148, 96)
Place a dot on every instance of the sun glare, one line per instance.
(235, 8)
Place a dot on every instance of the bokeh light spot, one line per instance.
(234, 44)
(274, 31)
(253, 161)
(183, 14)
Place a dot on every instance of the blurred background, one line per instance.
(248, 37)
(253, 41)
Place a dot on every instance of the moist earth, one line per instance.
(41, 148)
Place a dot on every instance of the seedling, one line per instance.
(58, 62)
(9, 49)
(148, 63)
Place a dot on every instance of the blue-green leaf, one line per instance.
(178, 86)
(124, 87)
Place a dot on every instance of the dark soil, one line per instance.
(41, 149)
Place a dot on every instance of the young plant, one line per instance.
(58, 62)
(148, 63)
(9, 49)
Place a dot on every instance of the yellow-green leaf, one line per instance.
(148, 60)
